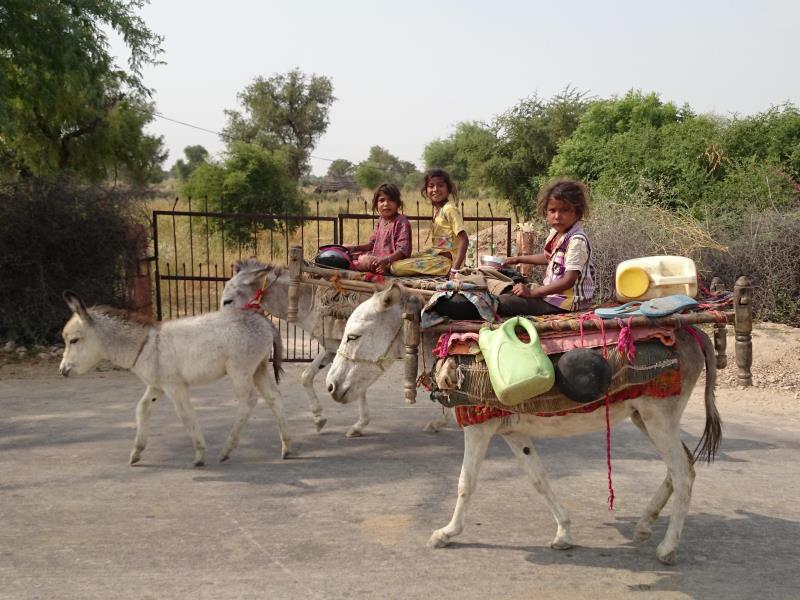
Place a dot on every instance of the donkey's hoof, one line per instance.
(431, 428)
(284, 453)
(641, 535)
(224, 457)
(354, 433)
(135, 458)
(199, 463)
(561, 544)
(439, 539)
(320, 423)
(668, 558)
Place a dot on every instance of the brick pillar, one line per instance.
(139, 281)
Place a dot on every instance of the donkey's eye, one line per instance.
(352, 337)
(226, 302)
(74, 340)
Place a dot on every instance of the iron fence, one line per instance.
(193, 255)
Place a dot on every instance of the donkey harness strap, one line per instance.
(139, 353)
(379, 361)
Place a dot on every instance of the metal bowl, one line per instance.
(495, 262)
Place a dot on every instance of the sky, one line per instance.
(405, 73)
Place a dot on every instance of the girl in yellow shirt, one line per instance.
(448, 235)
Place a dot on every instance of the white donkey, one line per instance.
(171, 356)
(249, 277)
(370, 337)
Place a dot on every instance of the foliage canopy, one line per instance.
(382, 166)
(65, 105)
(250, 180)
(287, 112)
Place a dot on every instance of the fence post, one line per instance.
(743, 326)
(525, 239)
(411, 338)
(720, 330)
(295, 266)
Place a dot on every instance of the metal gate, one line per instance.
(194, 252)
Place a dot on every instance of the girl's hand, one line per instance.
(382, 265)
(511, 260)
(521, 290)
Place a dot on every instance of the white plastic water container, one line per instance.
(655, 277)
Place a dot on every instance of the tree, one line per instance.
(250, 180)
(65, 105)
(463, 154)
(195, 156)
(340, 167)
(383, 166)
(287, 112)
(642, 149)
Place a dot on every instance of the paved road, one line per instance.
(349, 518)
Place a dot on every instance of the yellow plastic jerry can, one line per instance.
(655, 277)
(517, 370)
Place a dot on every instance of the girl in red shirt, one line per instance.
(391, 239)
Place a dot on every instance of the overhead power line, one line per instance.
(217, 133)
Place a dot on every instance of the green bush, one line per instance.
(251, 180)
(58, 236)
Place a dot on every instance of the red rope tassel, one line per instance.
(255, 303)
(608, 455)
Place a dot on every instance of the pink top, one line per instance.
(390, 236)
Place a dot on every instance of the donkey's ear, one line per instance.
(391, 296)
(76, 305)
(257, 275)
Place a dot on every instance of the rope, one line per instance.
(590, 316)
(625, 343)
(608, 454)
(255, 302)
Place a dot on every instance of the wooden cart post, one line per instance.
(743, 327)
(720, 330)
(411, 338)
(295, 271)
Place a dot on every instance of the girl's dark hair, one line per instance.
(391, 191)
(566, 190)
(452, 190)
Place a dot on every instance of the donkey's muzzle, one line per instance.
(337, 393)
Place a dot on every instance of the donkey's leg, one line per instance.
(476, 442)
(151, 394)
(363, 418)
(664, 430)
(183, 406)
(243, 388)
(526, 454)
(274, 399)
(643, 529)
(437, 424)
(322, 360)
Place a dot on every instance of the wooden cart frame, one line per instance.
(741, 317)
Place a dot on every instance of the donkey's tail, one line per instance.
(277, 354)
(708, 445)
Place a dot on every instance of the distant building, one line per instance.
(336, 183)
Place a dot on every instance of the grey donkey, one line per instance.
(171, 356)
(252, 275)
